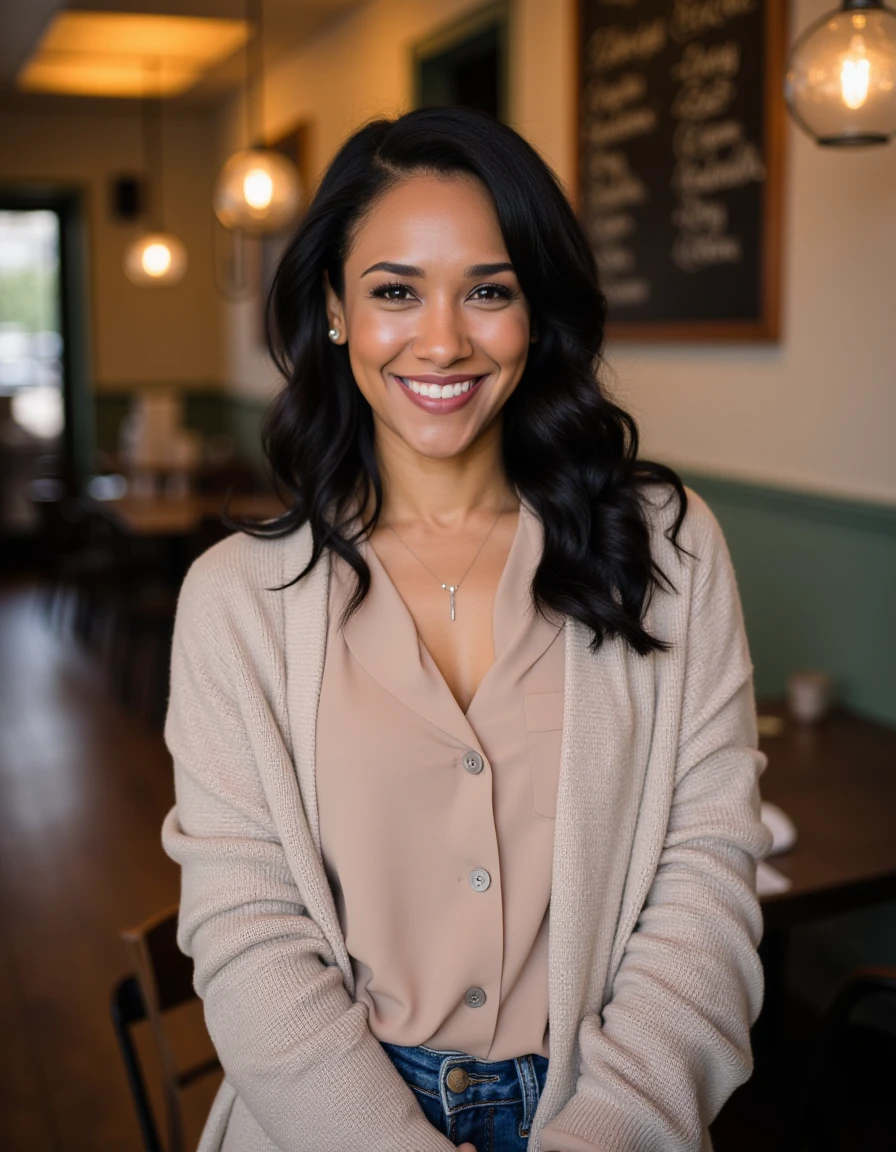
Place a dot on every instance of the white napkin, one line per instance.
(769, 881)
(780, 825)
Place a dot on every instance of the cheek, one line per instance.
(377, 336)
(504, 335)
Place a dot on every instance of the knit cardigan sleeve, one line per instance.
(293, 1045)
(672, 1041)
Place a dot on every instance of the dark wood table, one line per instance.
(837, 782)
(172, 516)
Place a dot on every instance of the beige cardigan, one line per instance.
(653, 973)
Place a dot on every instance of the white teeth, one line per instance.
(438, 391)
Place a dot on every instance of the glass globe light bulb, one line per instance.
(841, 77)
(157, 258)
(257, 191)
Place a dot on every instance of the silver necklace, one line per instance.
(451, 589)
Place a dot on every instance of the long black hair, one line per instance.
(568, 450)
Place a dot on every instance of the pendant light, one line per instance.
(258, 189)
(156, 258)
(841, 78)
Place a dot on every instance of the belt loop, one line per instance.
(525, 1070)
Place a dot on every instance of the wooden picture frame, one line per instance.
(630, 56)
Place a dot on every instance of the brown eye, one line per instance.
(393, 292)
(491, 292)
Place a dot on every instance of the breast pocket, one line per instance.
(544, 729)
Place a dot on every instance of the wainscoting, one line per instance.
(817, 577)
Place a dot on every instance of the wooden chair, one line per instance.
(162, 979)
(848, 1103)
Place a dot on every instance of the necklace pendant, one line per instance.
(451, 589)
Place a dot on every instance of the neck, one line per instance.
(444, 493)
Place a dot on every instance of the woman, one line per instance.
(464, 743)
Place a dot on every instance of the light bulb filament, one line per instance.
(156, 259)
(258, 188)
(855, 73)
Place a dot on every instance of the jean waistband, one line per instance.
(463, 1081)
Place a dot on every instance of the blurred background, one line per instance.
(154, 157)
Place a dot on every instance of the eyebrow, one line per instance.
(471, 273)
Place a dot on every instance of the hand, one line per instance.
(466, 1148)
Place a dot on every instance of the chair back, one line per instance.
(164, 976)
(848, 1100)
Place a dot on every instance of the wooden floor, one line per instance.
(83, 789)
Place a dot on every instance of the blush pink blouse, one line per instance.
(437, 826)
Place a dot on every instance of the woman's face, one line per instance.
(436, 324)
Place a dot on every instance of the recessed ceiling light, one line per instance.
(108, 53)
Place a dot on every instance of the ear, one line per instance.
(335, 311)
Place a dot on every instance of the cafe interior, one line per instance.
(734, 166)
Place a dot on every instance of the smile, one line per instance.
(454, 386)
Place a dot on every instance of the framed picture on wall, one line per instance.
(294, 145)
(466, 62)
(680, 129)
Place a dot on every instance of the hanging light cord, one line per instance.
(255, 75)
(151, 117)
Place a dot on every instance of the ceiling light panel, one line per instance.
(119, 54)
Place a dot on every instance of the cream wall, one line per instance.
(816, 411)
(139, 336)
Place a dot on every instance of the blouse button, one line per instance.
(479, 879)
(473, 763)
(474, 998)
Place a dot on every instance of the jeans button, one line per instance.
(458, 1080)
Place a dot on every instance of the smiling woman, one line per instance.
(464, 741)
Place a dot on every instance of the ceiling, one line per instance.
(287, 25)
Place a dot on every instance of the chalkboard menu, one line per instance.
(680, 127)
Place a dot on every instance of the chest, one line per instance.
(462, 647)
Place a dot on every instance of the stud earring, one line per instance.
(334, 334)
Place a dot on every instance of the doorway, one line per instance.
(45, 420)
(466, 64)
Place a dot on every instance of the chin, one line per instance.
(439, 446)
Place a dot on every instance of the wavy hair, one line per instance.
(568, 450)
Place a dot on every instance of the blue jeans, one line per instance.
(490, 1103)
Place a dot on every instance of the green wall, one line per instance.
(817, 577)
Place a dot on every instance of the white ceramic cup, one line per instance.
(809, 695)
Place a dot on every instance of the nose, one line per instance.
(441, 335)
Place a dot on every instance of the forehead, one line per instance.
(443, 217)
